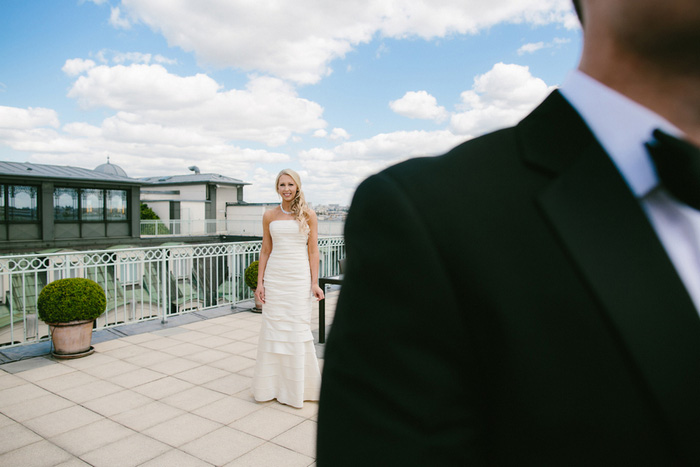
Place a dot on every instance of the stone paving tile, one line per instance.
(8, 380)
(148, 358)
(174, 366)
(15, 436)
(309, 410)
(266, 423)
(272, 455)
(74, 462)
(158, 343)
(19, 394)
(137, 338)
(66, 381)
(137, 377)
(147, 415)
(212, 341)
(131, 451)
(230, 384)
(6, 421)
(184, 349)
(242, 334)
(193, 398)
(96, 360)
(91, 391)
(90, 437)
(129, 350)
(33, 408)
(237, 347)
(227, 410)
(62, 421)
(115, 367)
(249, 372)
(301, 438)
(210, 355)
(234, 363)
(182, 429)
(163, 387)
(176, 458)
(49, 369)
(191, 336)
(202, 374)
(104, 347)
(40, 454)
(116, 403)
(222, 446)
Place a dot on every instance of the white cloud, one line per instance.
(14, 118)
(530, 48)
(498, 98)
(419, 104)
(131, 57)
(153, 104)
(338, 134)
(76, 66)
(116, 19)
(533, 47)
(140, 87)
(302, 38)
(164, 60)
(335, 134)
(339, 170)
(164, 120)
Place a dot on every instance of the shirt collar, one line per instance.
(620, 125)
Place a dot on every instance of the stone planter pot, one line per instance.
(72, 339)
(258, 306)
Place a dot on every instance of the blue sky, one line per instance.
(334, 90)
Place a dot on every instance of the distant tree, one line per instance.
(147, 213)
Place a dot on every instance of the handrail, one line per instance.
(140, 283)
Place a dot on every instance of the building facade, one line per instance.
(192, 197)
(47, 206)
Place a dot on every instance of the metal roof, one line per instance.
(193, 179)
(61, 172)
(110, 168)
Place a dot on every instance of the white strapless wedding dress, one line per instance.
(286, 368)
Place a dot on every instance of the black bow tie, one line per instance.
(678, 166)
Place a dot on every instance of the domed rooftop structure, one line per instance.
(111, 169)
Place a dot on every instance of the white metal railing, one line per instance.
(253, 228)
(139, 283)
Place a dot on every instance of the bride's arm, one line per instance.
(265, 251)
(314, 255)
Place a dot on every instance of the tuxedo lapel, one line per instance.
(615, 249)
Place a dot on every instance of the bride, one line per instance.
(286, 367)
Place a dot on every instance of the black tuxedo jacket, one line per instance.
(509, 303)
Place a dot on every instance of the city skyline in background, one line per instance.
(244, 89)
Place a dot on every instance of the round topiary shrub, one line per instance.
(251, 275)
(74, 299)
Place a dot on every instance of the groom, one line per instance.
(532, 297)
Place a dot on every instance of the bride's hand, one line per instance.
(260, 293)
(318, 292)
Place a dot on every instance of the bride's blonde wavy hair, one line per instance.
(300, 210)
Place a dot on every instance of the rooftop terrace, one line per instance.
(153, 394)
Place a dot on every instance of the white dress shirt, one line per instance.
(622, 126)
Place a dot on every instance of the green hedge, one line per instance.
(74, 299)
(251, 275)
